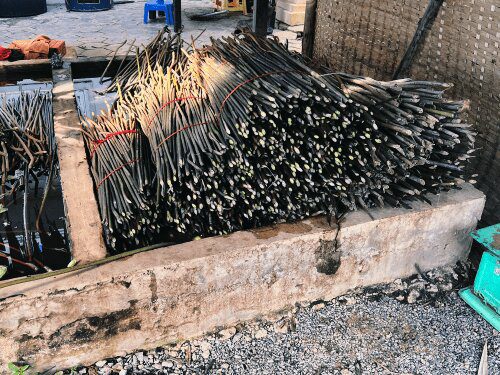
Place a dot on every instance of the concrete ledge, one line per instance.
(82, 215)
(179, 292)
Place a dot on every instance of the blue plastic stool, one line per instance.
(164, 6)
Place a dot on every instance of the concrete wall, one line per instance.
(185, 290)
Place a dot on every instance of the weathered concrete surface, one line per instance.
(182, 291)
(82, 216)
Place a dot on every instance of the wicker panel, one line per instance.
(369, 37)
(365, 37)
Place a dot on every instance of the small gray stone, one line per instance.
(227, 333)
(281, 326)
(413, 296)
(447, 287)
(350, 301)
(100, 364)
(173, 353)
(318, 306)
(168, 364)
(205, 345)
(432, 288)
(261, 333)
(140, 356)
(237, 337)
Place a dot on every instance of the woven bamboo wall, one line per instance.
(369, 37)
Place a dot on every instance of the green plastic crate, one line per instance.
(484, 295)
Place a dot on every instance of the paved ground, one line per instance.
(99, 33)
(414, 326)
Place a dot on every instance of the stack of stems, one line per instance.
(243, 133)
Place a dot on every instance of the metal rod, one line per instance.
(243, 133)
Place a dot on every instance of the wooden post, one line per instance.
(309, 28)
(424, 25)
(261, 17)
(177, 16)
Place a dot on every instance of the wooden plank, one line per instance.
(261, 17)
(30, 69)
(80, 205)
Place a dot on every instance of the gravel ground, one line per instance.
(413, 326)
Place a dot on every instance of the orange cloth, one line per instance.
(39, 48)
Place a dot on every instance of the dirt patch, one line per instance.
(321, 222)
(274, 230)
(28, 346)
(496, 241)
(328, 257)
(153, 286)
(96, 327)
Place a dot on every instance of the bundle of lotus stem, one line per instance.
(242, 133)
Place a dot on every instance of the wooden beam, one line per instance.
(178, 292)
(177, 16)
(309, 28)
(82, 215)
(424, 25)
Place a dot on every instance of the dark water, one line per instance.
(49, 238)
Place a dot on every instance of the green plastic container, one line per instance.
(484, 295)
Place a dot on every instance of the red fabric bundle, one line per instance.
(41, 47)
(4, 53)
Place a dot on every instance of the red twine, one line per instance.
(178, 131)
(114, 171)
(99, 142)
(170, 102)
(244, 83)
